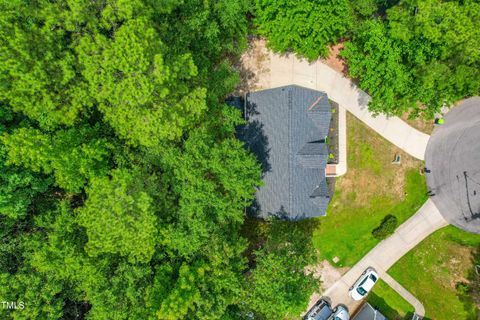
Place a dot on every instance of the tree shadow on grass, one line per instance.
(381, 305)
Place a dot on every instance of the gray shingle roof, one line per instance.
(286, 129)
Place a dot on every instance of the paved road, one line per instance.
(427, 220)
(453, 157)
(275, 71)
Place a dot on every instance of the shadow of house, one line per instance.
(367, 312)
(252, 133)
(256, 142)
(286, 130)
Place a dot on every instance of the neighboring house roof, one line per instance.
(367, 312)
(286, 130)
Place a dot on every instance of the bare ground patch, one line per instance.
(423, 125)
(253, 63)
(334, 61)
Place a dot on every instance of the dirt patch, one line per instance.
(423, 125)
(327, 274)
(254, 62)
(458, 264)
(334, 60)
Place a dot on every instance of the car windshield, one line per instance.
(361, 291)
(337, 318)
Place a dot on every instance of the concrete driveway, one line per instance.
(426, 221)
(270, 70)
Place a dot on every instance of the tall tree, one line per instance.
(119, 215)
(39, 73)
(143, 90)
(18, 186)
(307, 26)
(280, 286)
(383, 74)
(74, 155)
(430, 46)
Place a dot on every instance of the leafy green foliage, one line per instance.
(119, 215)
(123, 187)
(383, 74)
(279, 285)
(74, 156)
(305, 26)
(212, 183)
(386, 227)
(18, 188)
(423, 56)
(145, 98)
(39, 74)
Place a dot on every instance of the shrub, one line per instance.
(386, 227)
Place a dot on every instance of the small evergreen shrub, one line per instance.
(386, 227)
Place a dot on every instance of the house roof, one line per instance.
(286, 130)
(367, 312)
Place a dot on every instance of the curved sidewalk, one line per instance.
(273, 70)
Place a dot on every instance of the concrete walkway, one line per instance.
(404, 293)
(427, 220)
(265, 69)
(271, 70)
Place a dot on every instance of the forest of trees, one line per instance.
(122, 185)
(410, 55)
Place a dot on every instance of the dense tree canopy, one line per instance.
(409, 55)
(122, 186)
(432, 47)
(119, 215)
(280, 284)
(305, 26)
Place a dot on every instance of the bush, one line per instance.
(386, 227)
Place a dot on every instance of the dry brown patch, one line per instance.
(327, 273)
(423, 125)
(459, 263)
(253, 63)
(334, 61)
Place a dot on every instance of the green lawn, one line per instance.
(372, 188)
(389, 302)
(433, 270)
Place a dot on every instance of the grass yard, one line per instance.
(433, 270)
(389, 302)
(372, 188)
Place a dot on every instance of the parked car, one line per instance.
(340, 313)
(320, 311)
(323, 311)
(364, 284)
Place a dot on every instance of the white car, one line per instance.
(340, 313)
(364, 284)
